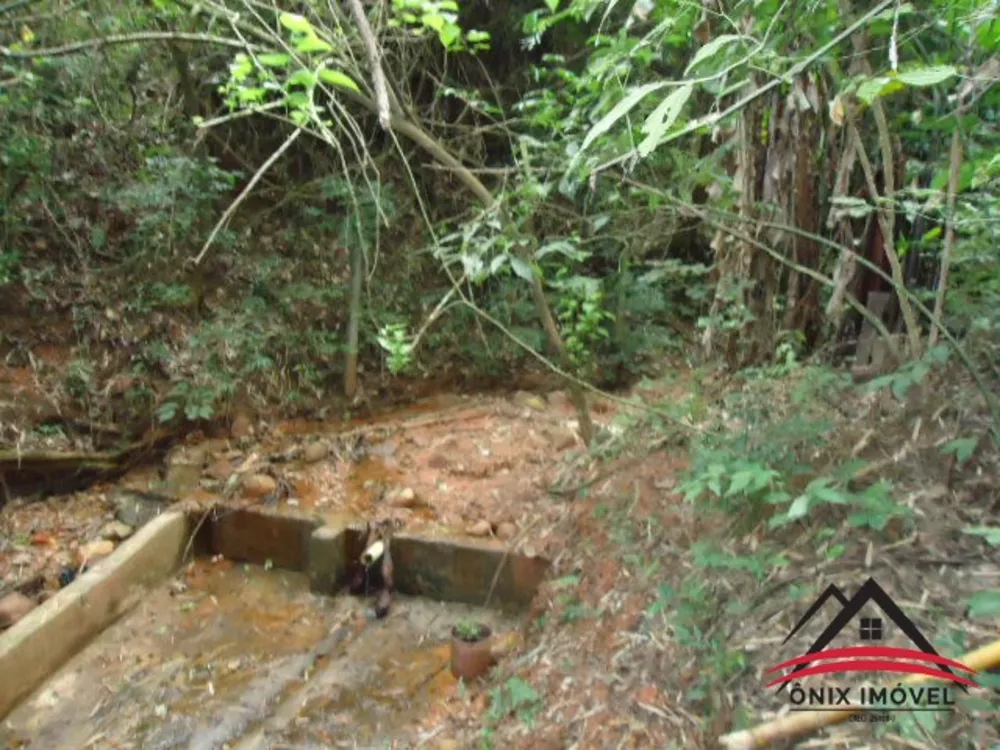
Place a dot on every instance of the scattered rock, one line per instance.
(22, 558)
(439, 459)
(480, 528)
(182, 479)
(93, 551)
(13, 607)
(558, 399)
(315, 452)
(136, 509)
(562, 438)
(220, 469)
(602, 406)
(506, 530)
(117, 531)
(529, 400)
(259, 485)
(404, 498)
(241, 426)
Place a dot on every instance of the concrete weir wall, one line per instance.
(437, 568)
(39, 644)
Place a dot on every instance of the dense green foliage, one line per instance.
(593, 186)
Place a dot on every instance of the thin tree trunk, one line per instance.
(406, 128)
(353, 323)
(949, 233)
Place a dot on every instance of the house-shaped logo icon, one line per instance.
(868, 658)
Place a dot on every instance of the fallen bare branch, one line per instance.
(134, 38)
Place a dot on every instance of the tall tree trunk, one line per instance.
(354, 320)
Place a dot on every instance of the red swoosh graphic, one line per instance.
(875, 651)
(862, 665)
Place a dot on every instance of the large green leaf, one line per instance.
(313, 44)
(274, 59)
(621, 109)
(336, 78)
(296, 23)
(302, 78)
(928, 76)
(711, 49)
(663, 117)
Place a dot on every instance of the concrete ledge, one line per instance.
(442, 569)
(38, 645)
(327, 559)
(256, 535)
(455, 571)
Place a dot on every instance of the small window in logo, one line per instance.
(871, 628)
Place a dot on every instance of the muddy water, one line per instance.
(238, 656)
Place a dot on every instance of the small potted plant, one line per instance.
(471, 650)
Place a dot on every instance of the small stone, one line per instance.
(562, 438)
(137, 509)
(405, 498)
(529, 400)
(220, 469)
(241, 426)
(314, 452)
(480, 528)
(558, 399)
(14, 607)
(182, 479)
(438, 460)
(116, 531)
(93, 551)
(259, 485)
(21, 558)
(506, 530)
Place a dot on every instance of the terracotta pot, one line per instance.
(470, 660)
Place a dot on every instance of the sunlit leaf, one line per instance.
(302, 78)
(274, 59)
(990, 533)
(336, 78)
(621, 109)
(799, 508)
(663, 117)
(873, 88)
(962, 448)
(928, 76)
(985, 604)
(711, 49)
(313, 44)
(521, 268)
(296, 23)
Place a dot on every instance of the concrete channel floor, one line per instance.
(221, 661)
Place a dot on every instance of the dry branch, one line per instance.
(374, 60)
(949, 234)
(105, 41)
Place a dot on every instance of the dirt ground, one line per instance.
(606, 664)
(454, 465)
